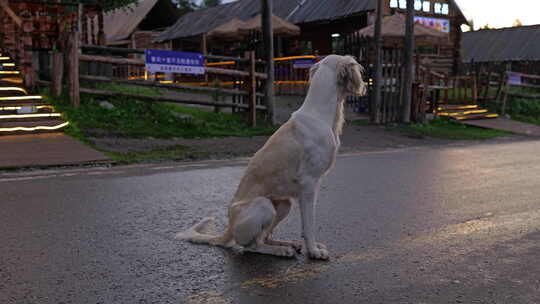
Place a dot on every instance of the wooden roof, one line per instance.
(394, 26)
(229, 30)
(508, 44)
(121, 23)
(236, 29)
(293, 11)
(280, 26)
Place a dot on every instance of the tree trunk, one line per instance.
(408, 62)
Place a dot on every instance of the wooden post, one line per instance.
(505, 95)
(474, 89)
(446, 90)
(93, 30)
(252, 91)
(84, 29)
(268, 38)
(57, 73)
(73, 68)
(408, 62)
(101, 33)
(27, 71)
(376, 100)
(204, 51)
(486, 91)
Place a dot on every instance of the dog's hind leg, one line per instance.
(196, 235)
(282, 207)
(253, 223)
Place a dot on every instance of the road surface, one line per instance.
(435, 225)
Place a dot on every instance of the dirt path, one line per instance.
(355, 138)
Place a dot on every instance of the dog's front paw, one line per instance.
(318, 254)
(320, 245)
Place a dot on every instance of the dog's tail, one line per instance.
(196, 235)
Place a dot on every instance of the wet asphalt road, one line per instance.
(429, 225)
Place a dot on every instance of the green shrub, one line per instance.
(449, 129)
(140, 119)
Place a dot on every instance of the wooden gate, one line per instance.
(363, 50)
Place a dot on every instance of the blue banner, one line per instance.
(514, 78)
(304, 63)
(174, 62)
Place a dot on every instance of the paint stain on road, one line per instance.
(208, 297)
(289, 276)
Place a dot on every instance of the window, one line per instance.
(403, 4)
(418, 5)
(426, 6)
(394, 3)
(441, 8)
(444, 10)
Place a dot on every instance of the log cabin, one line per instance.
(322, 24)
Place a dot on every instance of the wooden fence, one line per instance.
(501, 88)
(89, 65)
(391, 104)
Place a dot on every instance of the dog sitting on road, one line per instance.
(289, 168)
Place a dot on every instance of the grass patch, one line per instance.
(361, 122)
(525, 110)
(128, 89)
(448, 129)
(177, 152)
(140, 119)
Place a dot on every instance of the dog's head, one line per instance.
(348, 71)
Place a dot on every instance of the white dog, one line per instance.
(289, 167)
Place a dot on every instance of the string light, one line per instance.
(34, 128)
(21, 97)
(13, 89)
(30, 115)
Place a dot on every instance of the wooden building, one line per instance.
(445, 16)
(514, 48)
(322, 24)
(134, 26)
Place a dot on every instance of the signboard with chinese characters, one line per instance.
(514, 78)
(439, 24)
(174, 62)
(304, 63)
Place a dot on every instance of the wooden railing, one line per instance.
(99, 64)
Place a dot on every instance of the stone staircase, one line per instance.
(21, 113)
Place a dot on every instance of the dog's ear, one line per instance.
(350, 80)
(313, 69)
